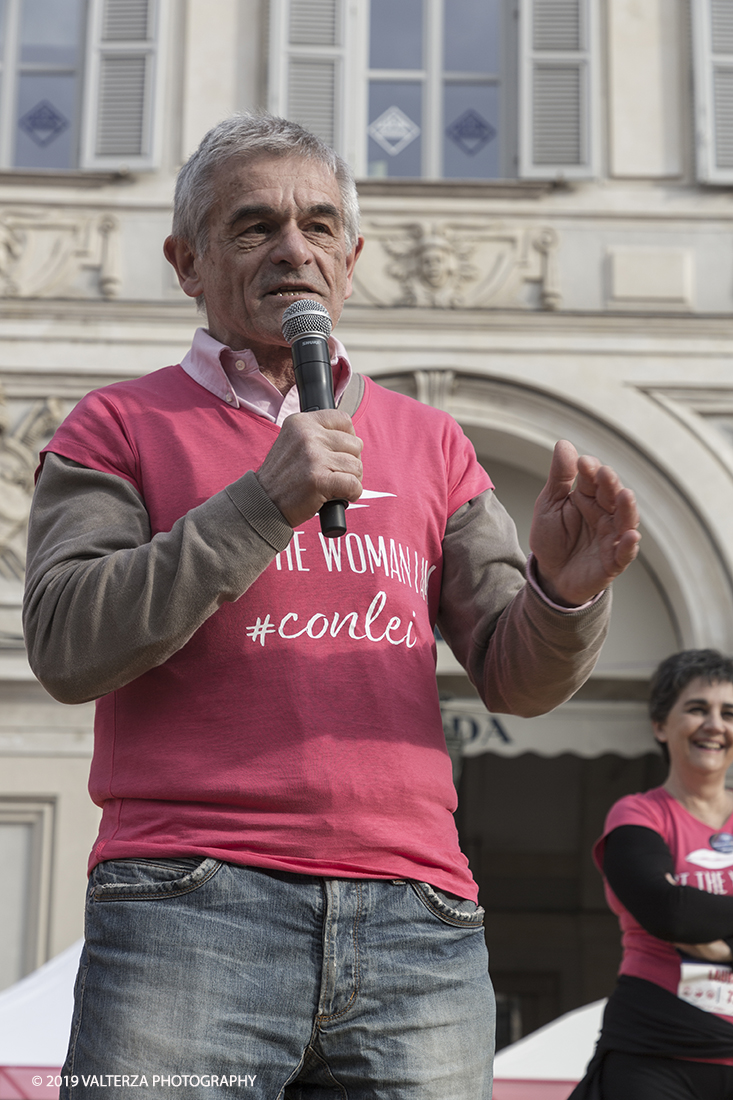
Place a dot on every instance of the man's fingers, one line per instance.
(603, 484)
(330, 418)
(627, 548)
(591, 474)
(335, 427)
(315, 458)
(341, 485)
(626, 515)
(563, 469)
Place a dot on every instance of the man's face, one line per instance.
(276, 234)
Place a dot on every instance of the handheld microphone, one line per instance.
(306, 326)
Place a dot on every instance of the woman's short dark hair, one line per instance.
(676, 672)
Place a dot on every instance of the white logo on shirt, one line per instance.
(369, 494)
(711, 861)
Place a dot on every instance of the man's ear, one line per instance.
(351, 264)
(178, 253)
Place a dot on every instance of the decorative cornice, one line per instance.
(100, 311)
(41, 178)
(454, 189)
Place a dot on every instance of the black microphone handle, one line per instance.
(313, 377)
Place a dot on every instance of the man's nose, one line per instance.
(291, 247)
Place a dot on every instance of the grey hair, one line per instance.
(249, 135)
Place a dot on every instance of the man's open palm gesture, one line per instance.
(584, 530)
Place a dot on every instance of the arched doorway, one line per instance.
(533, 794)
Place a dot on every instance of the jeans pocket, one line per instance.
(460, 912)
(149, 879)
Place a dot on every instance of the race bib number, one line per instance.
(707, 986)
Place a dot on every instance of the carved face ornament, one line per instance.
(436, 262)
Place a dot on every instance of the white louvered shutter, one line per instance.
(558, 88)
(120, 84)
(713, 40)
(307, 65)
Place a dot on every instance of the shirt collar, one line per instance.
(235, 377)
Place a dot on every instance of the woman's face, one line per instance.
(698, 731)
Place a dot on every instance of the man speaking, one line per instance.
(277, 902)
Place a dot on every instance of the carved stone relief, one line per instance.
(450, 265)
(58, 254)
(434, 387)
(19, 446)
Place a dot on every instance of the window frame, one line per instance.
(351, 117)
(154, 48)
(38, 814)
(706, 61)
(433, 78)
(586, 60)
(92, 49)
(11, 68)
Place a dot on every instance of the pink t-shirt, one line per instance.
(697, 862)
(299, 728)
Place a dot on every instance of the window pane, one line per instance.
(395, 34)
(50, 32)
(471, 140)
(46, 129)
(472, 36)
(395, 118)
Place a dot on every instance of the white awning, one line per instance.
(586, 729)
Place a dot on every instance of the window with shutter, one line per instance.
(713, 46)
(401, 88)
(559, 116)
(123, 70)
(78, 83)
(307, 65)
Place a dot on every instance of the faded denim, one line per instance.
(215, 981)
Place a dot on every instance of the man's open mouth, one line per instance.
(291, 291)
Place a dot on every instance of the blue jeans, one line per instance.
(202, 979)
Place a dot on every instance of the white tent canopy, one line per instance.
(35, 1013)
(560, 1051)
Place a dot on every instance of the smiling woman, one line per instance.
(697, 734)
(667, 861)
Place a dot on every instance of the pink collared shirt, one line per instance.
(235, 377)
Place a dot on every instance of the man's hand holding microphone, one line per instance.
(314, 465)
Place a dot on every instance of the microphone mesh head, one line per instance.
(306, 317)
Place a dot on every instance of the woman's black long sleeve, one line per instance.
(635, 863)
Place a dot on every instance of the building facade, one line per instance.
(546, 198)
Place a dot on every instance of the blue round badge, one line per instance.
(722, 842)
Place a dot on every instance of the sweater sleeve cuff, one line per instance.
(535, 584)
(252, 501)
